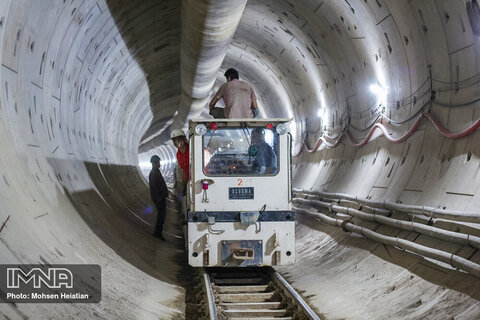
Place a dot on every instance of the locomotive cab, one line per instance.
(239, 208)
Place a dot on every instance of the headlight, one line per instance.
(200, 129)
(282, 128)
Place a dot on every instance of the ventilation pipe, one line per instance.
(208, 27)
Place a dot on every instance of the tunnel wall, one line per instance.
(76, 99)
(429, 60)
(84, 81)
(326, 55)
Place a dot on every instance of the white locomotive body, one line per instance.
(239, 196)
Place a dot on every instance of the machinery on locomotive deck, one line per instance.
(239, 198)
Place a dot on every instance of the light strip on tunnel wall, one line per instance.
(381, 93)
(321, 113)
(145, 165)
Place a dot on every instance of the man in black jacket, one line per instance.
(159, 193)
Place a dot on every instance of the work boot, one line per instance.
(159, 236)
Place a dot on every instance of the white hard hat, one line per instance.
(177, 133)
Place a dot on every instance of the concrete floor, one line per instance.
(90, 89)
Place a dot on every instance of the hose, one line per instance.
(411, 209)
(454, 260)
(390, 138)
(457, 237)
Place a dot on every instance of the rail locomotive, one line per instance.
(239, 198)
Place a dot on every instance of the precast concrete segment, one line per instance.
(207, 30)
(75, 101)
(83, 80)
(441, 129)
(208, 27)
(430, 212)
(446, 257)
(408, 225)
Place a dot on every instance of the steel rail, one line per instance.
(298, 299)
(212, 307)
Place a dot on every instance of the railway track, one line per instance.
(252, 293)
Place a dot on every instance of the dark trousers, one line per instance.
(161, 213)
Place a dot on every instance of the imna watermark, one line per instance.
(50, 283)
(54, 278)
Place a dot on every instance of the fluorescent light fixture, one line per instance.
(381, 94)
(321, 113)
(144, 165)
(375, 88)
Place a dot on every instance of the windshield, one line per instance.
(240, 152)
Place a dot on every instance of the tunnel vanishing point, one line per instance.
(384, 97)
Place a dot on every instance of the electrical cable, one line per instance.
(368, 127)
(457, 105)
(406, 120)
(382, 128)
(374, 125)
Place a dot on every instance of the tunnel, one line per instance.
(384, 101)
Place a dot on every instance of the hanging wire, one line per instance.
(368, 127)
(456, 105)
(410, 118)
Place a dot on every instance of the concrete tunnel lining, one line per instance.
(85, 81)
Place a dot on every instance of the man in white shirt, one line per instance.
(239, 97)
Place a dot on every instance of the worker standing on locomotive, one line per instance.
(182, 170)
(239, 97)
(158, 193)
(264, 158)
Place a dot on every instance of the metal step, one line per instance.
(238, 289)
(240, 297)
(256, 313)
(251, 305)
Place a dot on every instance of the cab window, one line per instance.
(240, 152)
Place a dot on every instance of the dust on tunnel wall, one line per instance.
(433, 49)
(83, 81)
(66, 108)
(90, 103)
(328, 54)
(76, 98)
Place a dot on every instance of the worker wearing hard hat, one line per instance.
(158, 192)
(182, 172)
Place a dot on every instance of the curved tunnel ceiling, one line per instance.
(85, 82)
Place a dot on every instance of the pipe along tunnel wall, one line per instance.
(85, 82)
